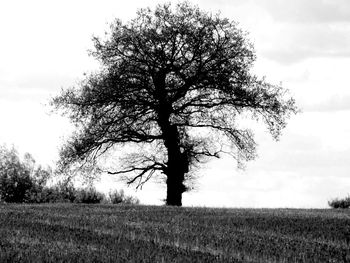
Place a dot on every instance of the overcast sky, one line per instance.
(305, 45)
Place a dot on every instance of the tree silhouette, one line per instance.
(175, 79)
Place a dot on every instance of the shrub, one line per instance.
(131, 200)
(54, 194)
(118, 197)
(15, 180)
(21, 180)
(66, 192)
(34, 194)
(24, 181)
(89, 196)
(340, 203)
(15, 187)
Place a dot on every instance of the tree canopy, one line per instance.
(177, 80)
(20, 179)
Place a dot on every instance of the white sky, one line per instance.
(303, 44)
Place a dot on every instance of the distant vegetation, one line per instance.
(340, 203)
(118, 197)
(108, 233)
(22, 181)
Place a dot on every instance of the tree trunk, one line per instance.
(176, 167)
(175, 185)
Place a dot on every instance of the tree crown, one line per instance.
(166, 76)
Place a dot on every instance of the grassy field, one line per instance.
(111, 233)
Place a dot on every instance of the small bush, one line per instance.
(34, 194)
(131, 200)
(89, 196)
(15, 180)
(21, 180)
(54, 194)
(340, 203)
(118, 197)
(66, 192)
(15, 188)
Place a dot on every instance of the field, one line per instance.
(111, 233)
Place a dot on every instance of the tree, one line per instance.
(15, 181)
(175, 79)
(20, 181)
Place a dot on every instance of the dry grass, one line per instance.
(111, 233)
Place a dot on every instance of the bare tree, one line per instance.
(176, 79)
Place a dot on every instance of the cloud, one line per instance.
(290, 43)
(310, 11)
(334, 103)
(38, 88)
(296, 11)
(292, 31)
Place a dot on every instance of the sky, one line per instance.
(304, 45)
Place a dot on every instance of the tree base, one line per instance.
(174, 193)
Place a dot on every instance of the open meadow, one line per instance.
(117, 233)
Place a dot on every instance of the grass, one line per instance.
(111, 233)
